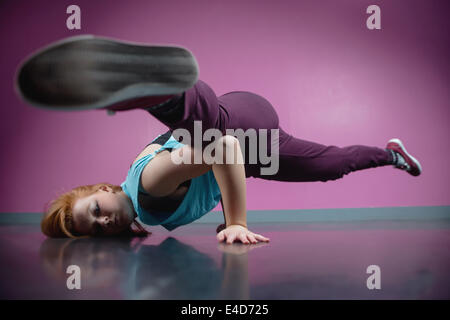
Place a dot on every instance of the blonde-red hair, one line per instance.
(58, 220)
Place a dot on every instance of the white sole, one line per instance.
(395, 140)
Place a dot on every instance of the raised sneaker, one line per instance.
(402, 159)
(90, 72)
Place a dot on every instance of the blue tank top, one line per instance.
(202, 196)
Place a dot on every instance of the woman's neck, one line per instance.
(129, 203)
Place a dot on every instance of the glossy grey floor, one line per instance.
(308, 258)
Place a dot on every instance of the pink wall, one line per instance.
(331, 80)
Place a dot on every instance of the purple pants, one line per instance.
(299, 160)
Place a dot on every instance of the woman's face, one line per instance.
(103, 213)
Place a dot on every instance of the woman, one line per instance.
(89, 72)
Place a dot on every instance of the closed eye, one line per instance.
(97, 209)
(97, 228)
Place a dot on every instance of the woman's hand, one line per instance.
(240, 233)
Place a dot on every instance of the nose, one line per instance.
(105, 220)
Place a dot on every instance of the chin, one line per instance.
(127, 220)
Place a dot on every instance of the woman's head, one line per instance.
(94, 210)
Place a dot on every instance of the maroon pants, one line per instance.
(299, 160)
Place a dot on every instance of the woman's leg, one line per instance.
(250, 112)
(198, 103)
(301, 160)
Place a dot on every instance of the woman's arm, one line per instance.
(231, 180)
(161, 177)
(230, 176)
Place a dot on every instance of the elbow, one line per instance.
(228, 150)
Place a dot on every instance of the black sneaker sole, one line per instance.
(90, 72)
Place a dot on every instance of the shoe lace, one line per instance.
(399, 161)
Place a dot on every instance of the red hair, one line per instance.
(58, 220)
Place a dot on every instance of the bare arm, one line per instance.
(231, 180)
(230, 176)
(162, 177)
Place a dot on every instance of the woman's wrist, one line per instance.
(237, 224)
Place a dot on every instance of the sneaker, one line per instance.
(402, 159)
(90, 72)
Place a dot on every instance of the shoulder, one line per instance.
(162, 176)
(157, 143)
(147, 150)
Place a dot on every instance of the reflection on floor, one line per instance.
(304, 260)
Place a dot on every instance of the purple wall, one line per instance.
(331, 80)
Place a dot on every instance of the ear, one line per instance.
(106, 189)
